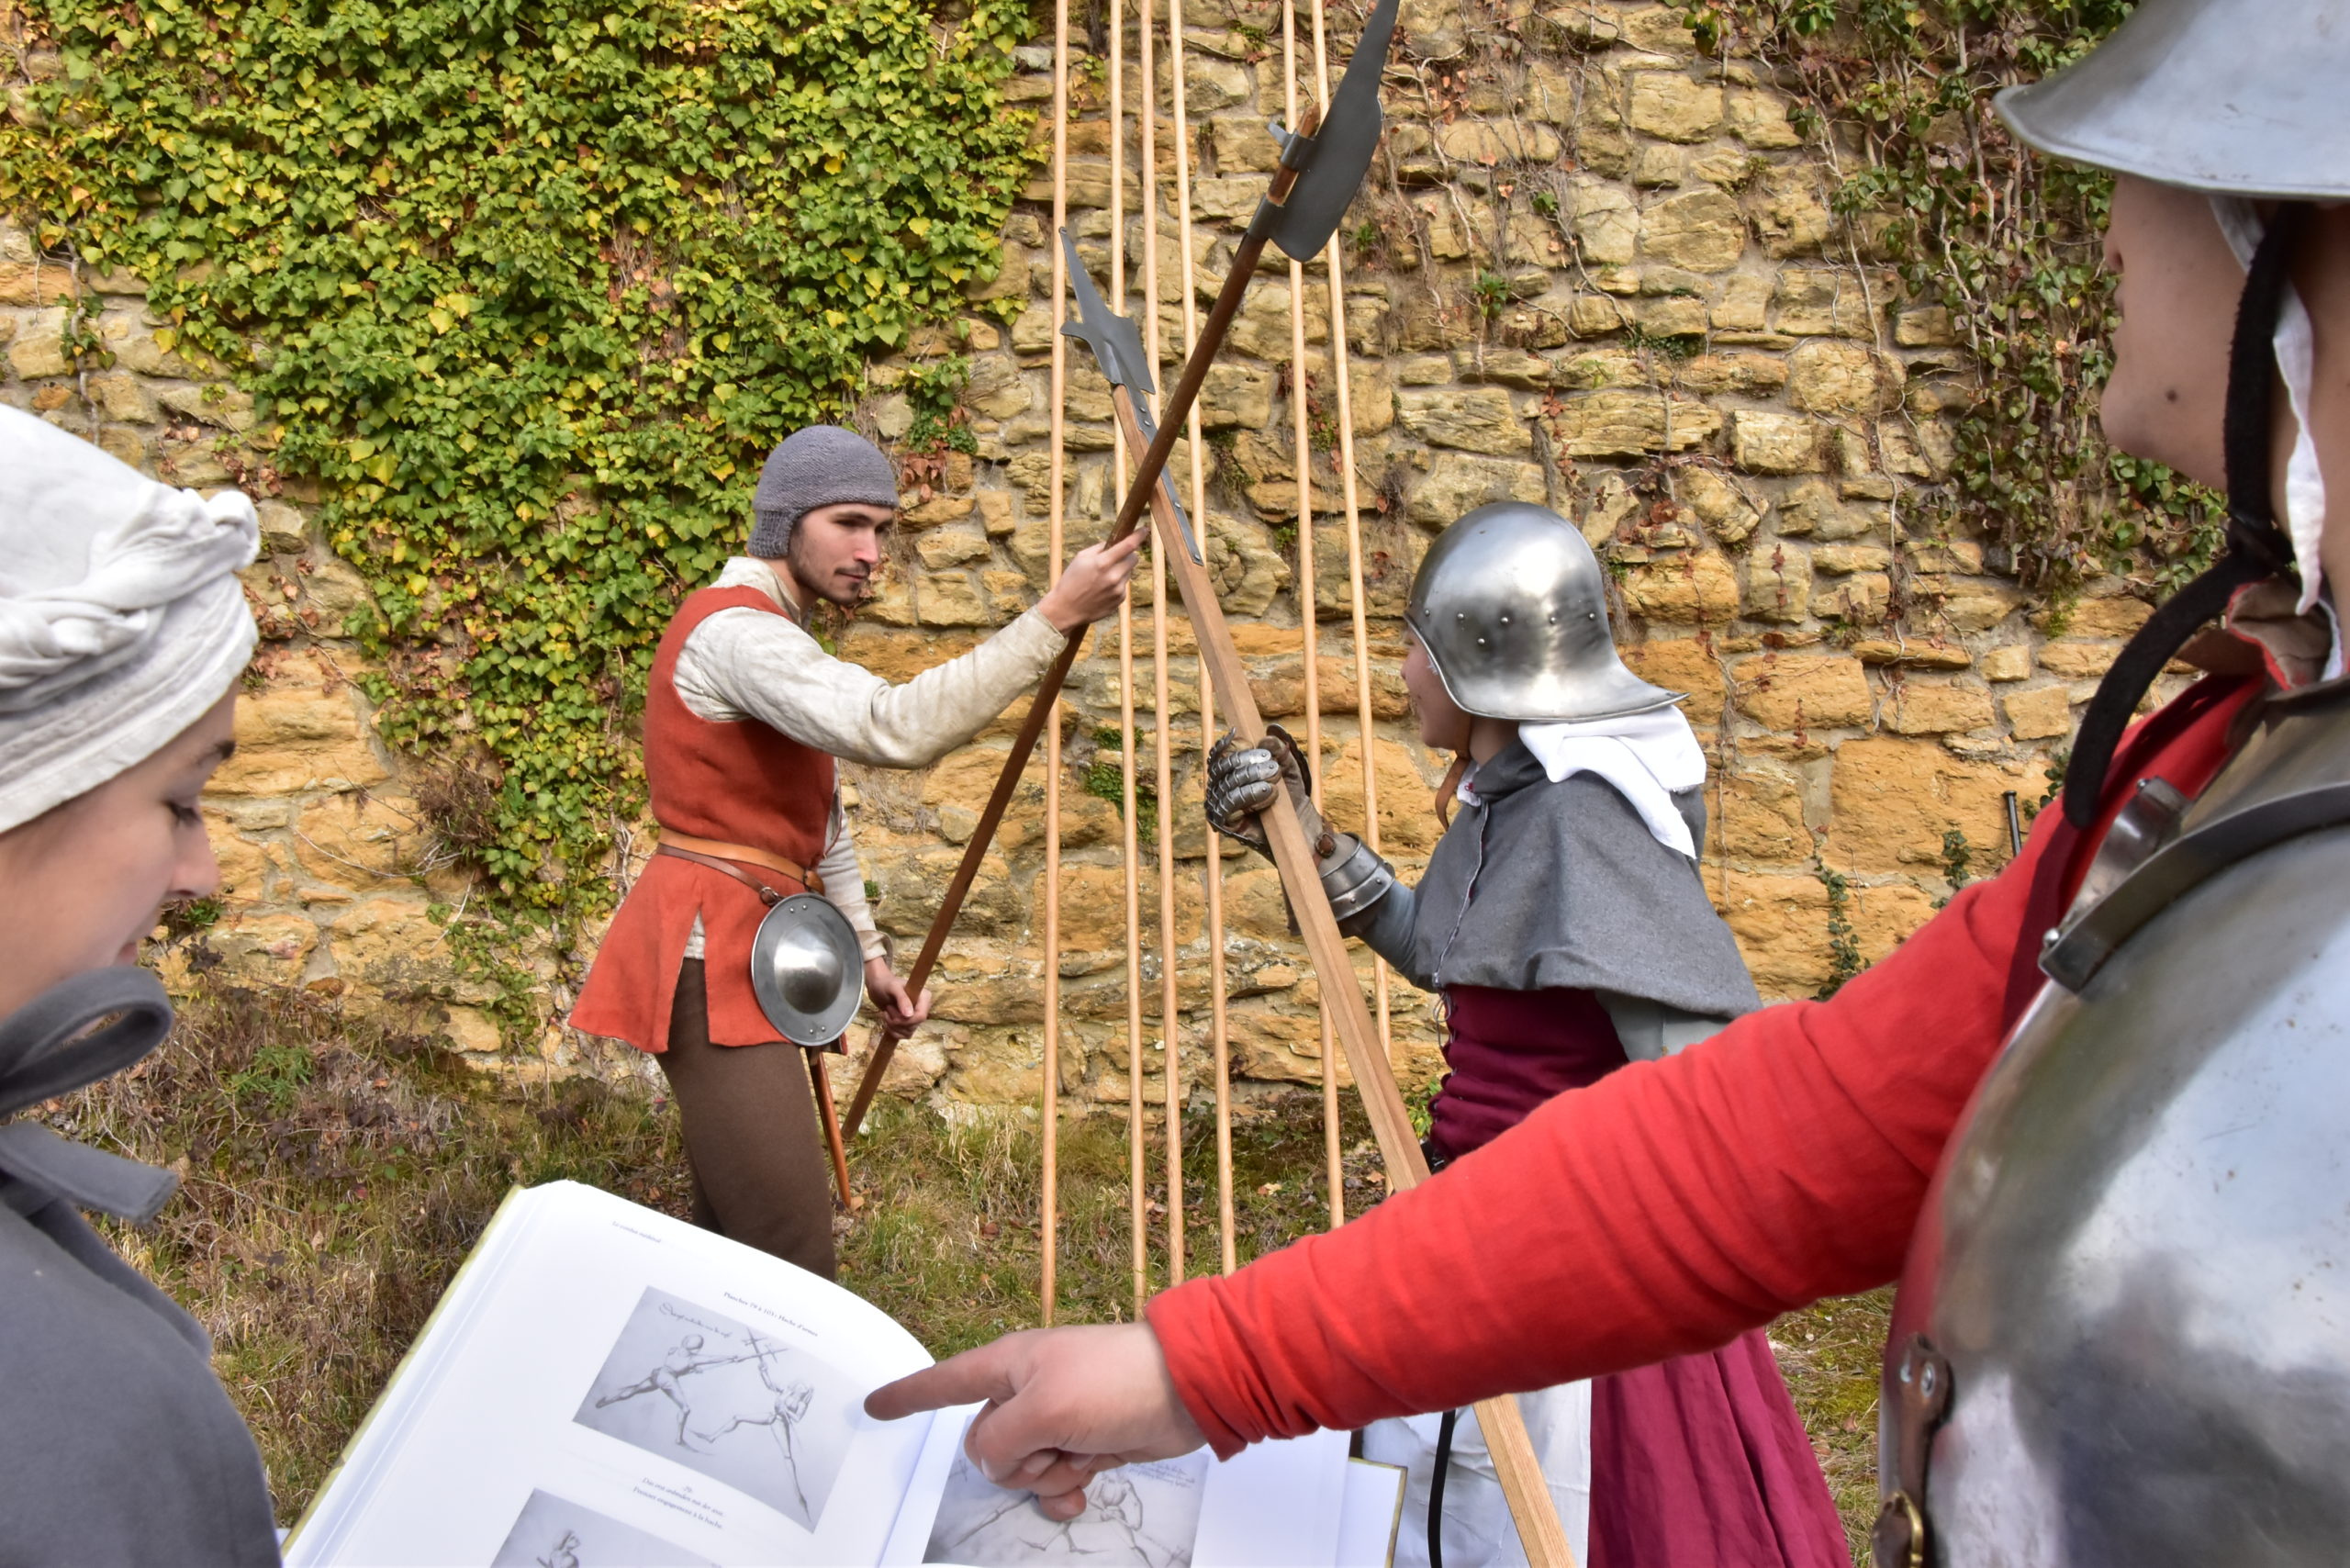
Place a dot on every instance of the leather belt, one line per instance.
(719, 857)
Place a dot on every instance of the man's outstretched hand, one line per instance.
(1062, 1404)
(1091, 585)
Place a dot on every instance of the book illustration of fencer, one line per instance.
(565, 1553)
(1111, 1530)
(684, 1359)
(789, 1407)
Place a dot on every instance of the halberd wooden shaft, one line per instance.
(1506, 1439)
(1023, 746)
(1177, 408)
(821, 1081)
(1139, 497)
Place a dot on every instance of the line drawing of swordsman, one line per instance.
(1112, 1529)
(684, 1359)
(788, 1407)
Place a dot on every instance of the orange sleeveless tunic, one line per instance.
(740, 783)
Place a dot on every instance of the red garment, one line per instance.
(1667, 1208)
(1702, 1459)
(1510, 1050)
(743, 782)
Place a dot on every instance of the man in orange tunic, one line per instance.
(744, 716)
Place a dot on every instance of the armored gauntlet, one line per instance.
(1244, 781)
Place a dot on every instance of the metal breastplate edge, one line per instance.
(2161, 848)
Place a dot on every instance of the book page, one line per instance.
(608, 1385)
(1374, 1513)
(1273, 1506)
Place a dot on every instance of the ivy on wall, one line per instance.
(2008, 240)
(529, 288)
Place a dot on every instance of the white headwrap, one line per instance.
(121, 619)
(1650, 757)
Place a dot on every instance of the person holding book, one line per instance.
(123, 631)
(2148, 1368)
(747, 714)
(1563, 921)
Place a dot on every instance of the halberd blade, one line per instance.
(1117, 348)
(1331, 169)
(1116, 341)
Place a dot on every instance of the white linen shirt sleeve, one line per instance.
(746, 663)
(845, 885)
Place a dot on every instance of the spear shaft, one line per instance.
(1143, 493)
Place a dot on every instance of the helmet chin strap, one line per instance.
(2303, 512)
(2258, 548)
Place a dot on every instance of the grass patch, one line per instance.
(1832, 1354)
(335, 1174)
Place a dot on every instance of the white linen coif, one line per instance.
(1649, 757)
(121, 618)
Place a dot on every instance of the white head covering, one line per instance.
(1650, 757)
(121, 619)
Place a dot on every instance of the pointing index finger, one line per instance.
(973, 1376)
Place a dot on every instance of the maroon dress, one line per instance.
(1696, 1463)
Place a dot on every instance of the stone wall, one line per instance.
(1591, 269)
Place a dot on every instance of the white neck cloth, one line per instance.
(1647, 756)
(121, 618)
(2302, 506)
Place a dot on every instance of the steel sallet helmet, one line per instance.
(2119, 1333)
(1512, 607)
(2244, 97)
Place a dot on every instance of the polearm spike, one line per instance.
(1117, 348)
(1317, 176)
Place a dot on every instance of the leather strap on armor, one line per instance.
(721, 857)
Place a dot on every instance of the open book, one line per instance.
(605, 1385)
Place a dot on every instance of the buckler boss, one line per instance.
(747, 935)
(2092, 1114)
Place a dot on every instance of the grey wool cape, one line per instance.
(118, 1445)
(1542, 885)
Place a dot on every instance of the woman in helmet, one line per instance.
(1563, 921)
(123, 631)
(2152, 1371)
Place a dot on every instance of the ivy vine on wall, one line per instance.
(529, 288)
(2008, 242)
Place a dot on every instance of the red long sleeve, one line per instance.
(1665, 1210)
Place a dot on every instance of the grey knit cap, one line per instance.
(823, 466)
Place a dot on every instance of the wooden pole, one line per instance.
(1512, 1448)
(1138, 1217)
(1146, 473)
(1048, 1128)
(1213, 874)
(820, 1082)
(1343, 390)
(1163, 778)
(1334, 1164)
(1155, 459)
